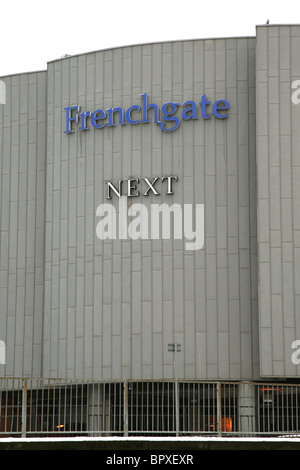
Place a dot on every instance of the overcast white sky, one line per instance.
(34, 32)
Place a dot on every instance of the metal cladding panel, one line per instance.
(22, 189)
(278, 192)
(112, 306)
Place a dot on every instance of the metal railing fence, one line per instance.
(67, 408)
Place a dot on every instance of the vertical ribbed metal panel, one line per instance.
(22, 190)
(278, 150)
(112, 307)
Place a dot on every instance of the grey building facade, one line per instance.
(93, 139)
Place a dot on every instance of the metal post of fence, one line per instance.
(219, 409)
(126, 408)
(175, 347)
(176, 395)
(24, 407)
